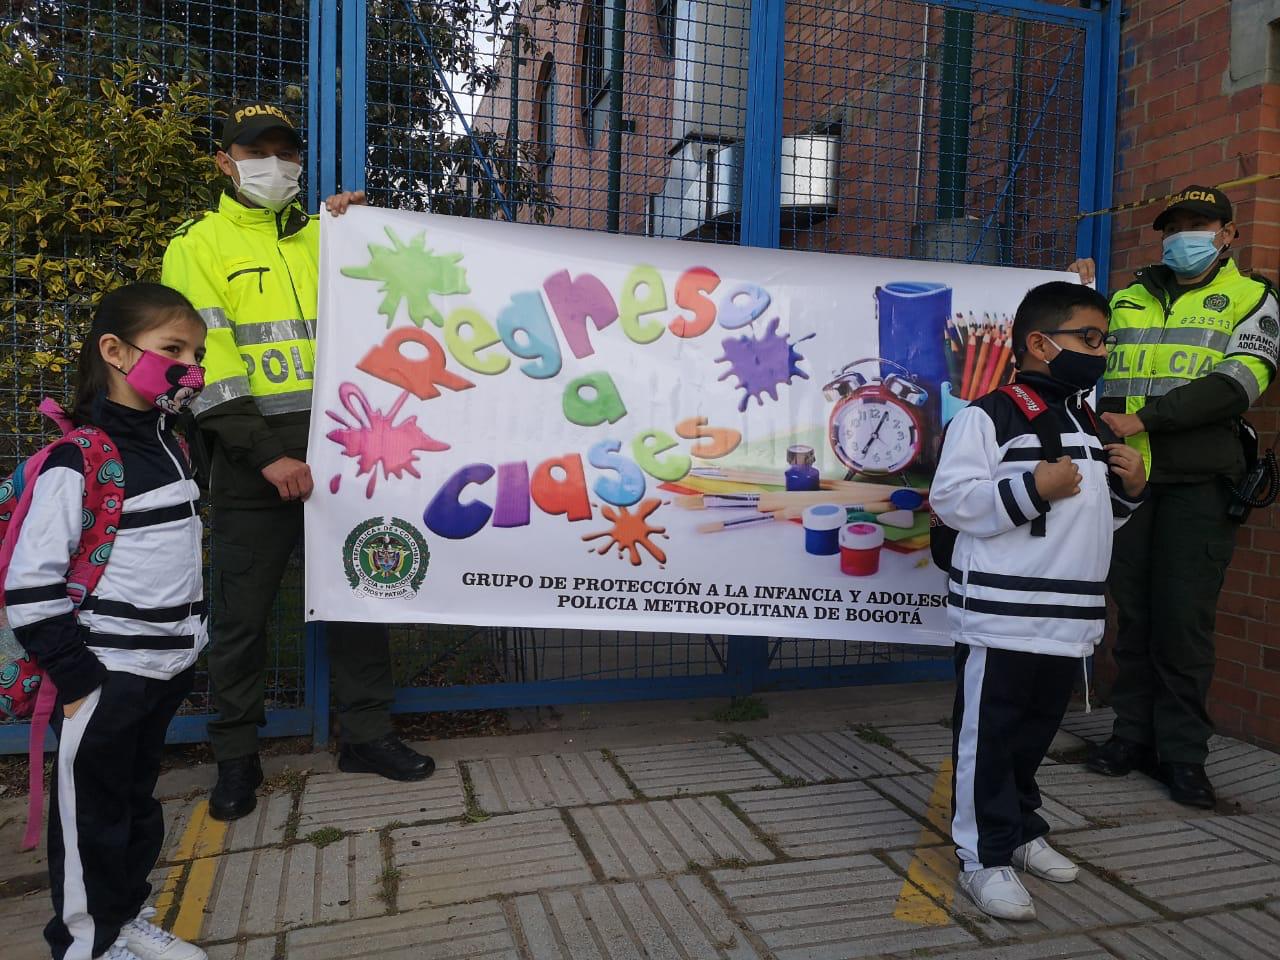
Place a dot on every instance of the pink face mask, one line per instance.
(168, 383)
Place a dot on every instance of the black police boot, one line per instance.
(388, 756)
(233, 795)
(1188, 785)
(1118, 757)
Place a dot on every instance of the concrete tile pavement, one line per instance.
(632, 841)
(514, 784)
(778, 842)
(832, 819)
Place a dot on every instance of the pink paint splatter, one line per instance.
(374, 440)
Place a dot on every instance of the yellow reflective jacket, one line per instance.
(1188, 362)
(253, 276)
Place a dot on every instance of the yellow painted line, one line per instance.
(931, 875)
(165, 895)
(201, 842)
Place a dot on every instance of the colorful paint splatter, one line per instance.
(375, 440)
(629, 532)
(410, 273)
(762, 365)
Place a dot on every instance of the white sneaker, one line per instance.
(998, 893)
(119, 951)
(1041, 860)
(149, 942)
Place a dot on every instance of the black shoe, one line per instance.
(387, 757)
(1118, 757)
(1188, 785)
(233, 795)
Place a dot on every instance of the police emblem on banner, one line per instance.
(386, 558)
(1217, 302)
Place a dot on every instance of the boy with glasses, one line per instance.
(1027, 581)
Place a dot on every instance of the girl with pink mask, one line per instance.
(123, 662)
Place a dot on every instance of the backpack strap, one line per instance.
(1032, 406)
(46, 699)
(102, 507)
(53, 410)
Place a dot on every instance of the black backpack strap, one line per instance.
(1046, 429)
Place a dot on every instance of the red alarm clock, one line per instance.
(876, 426)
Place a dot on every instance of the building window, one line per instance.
(664, 12)
(544, 119)
(596, 78)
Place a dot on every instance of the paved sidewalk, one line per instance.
(819, 833)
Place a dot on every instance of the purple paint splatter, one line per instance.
(763, 365)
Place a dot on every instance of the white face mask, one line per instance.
(269, 181)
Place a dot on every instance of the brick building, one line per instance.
(911, 130)
(877, 129)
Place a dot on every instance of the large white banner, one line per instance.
(530, 426)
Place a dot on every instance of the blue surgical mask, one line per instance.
(1190, 253)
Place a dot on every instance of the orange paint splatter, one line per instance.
(630, 531)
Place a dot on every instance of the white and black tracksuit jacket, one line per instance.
(1007, 587)
(130, 652)
(1027, 603)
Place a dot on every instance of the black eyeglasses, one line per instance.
(1092, 337)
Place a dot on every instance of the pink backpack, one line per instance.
(25, 690)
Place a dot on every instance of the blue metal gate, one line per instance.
(956, 130)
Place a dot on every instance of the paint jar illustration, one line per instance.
(801, 474)
(822, 523)
(860, 545)
(912, 319)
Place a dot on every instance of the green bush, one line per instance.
(91, 190)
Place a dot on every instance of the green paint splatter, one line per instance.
(410, 273)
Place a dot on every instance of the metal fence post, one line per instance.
(313, 104)
(617, 41)
(762, 153)
(317, 673)
(747, 663)
(324, 138)
(1109, 25)
(1089, 136)
(354, 94)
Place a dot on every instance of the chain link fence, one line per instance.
(907, 129)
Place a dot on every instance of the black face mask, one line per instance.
(1080, 371)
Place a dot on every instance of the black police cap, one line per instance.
(1206, 201)
(247, 122)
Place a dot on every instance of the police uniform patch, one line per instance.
(1269, 325)
(1217, 301)
(385, 558)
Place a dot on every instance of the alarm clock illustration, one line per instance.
(877, 425)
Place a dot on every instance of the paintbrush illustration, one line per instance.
(736, 522)
(869, 493)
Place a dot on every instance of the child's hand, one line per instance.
(1126, 463)
(1057, 479)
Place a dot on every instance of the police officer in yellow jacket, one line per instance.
(250, 267)
(1199, 343)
